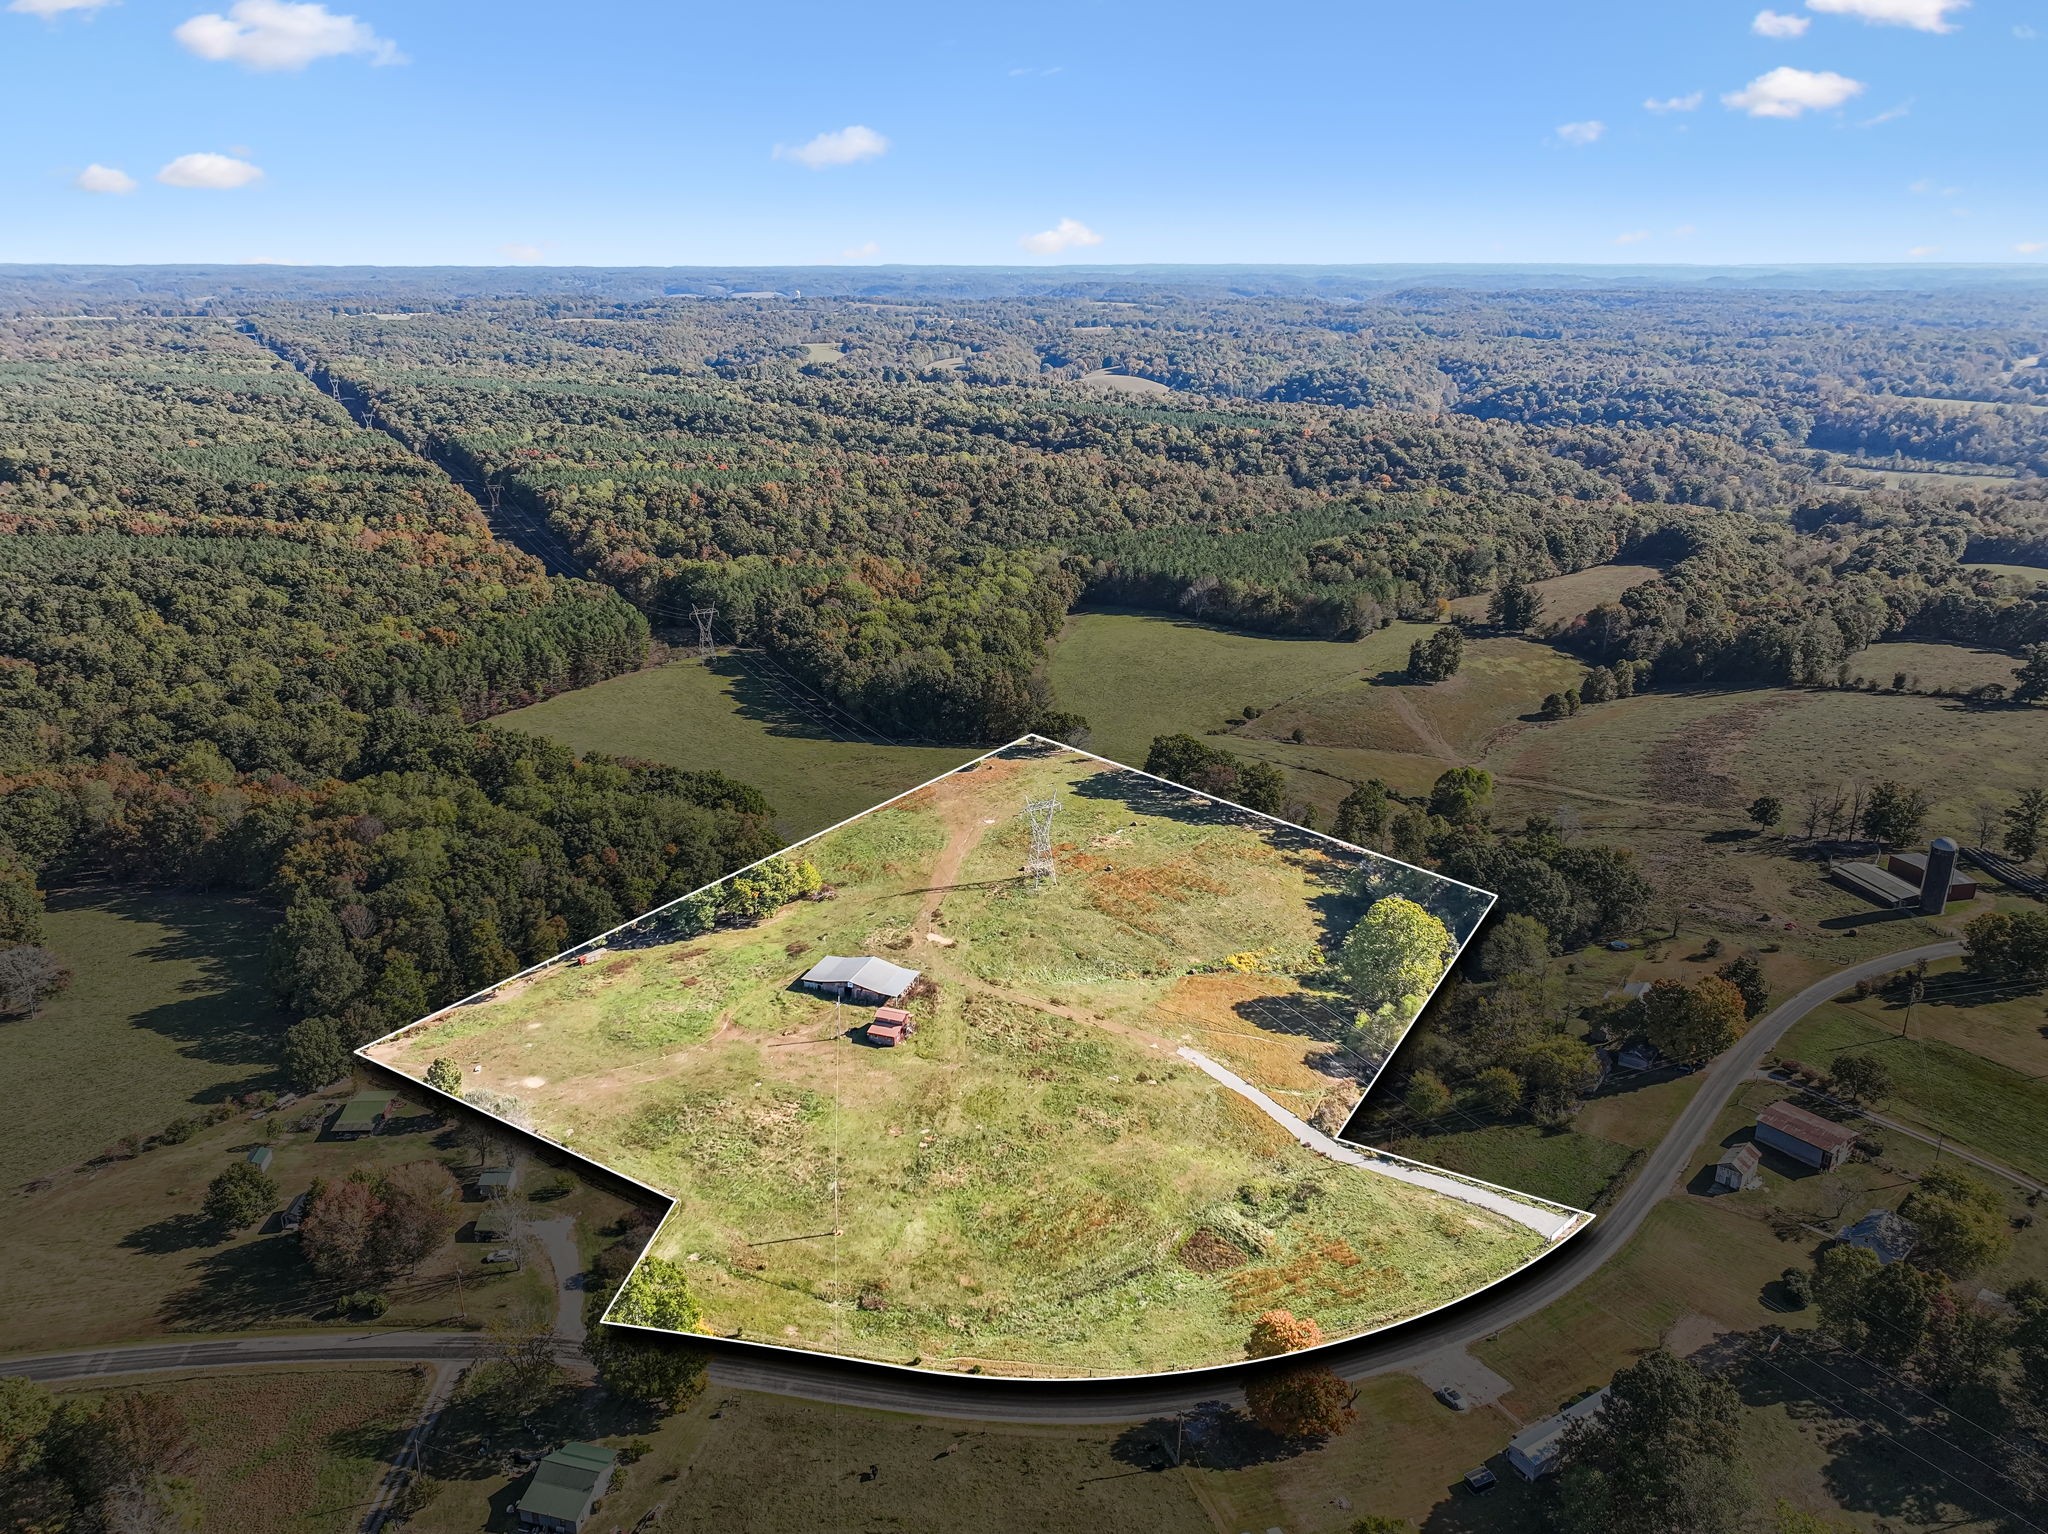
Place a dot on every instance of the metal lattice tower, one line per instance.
(1040, 812)
(705, 643)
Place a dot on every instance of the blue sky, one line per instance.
(675, 133)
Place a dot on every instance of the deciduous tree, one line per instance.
(1281, 1331)
(238, 1197)
(1306, 1401)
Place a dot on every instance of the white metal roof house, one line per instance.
(1534, 1451)
(860, 979)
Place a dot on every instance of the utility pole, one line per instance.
(1040, 866)
(706, 644)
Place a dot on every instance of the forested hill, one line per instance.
(246, 640)
(902, 496)
(242, 641)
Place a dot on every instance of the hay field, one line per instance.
(1104, 380)
(1566, 596)
(1035, 1182)
(723, 716)
(167, 1013)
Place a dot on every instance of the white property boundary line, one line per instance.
(669, 1200)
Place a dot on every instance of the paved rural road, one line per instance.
(1111, 1401)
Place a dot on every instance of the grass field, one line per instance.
(119, 1253)
(2032, 575)
(168, 1011)
(1933, 665)
(1107, 382)
(288, 1451)
(1137, 676)
(725, 717)
(1564, 597)
(1036, 1182)
(1990, 1107)
(1565, 1165)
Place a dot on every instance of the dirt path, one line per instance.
(1550, 1221)
(1425, 731)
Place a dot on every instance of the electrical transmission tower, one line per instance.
(1039, 812)
(705, 643)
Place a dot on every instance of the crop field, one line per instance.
(1041, 1179)
(167, 1012)
(724, 717)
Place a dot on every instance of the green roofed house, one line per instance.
(361, 1115)
(496, 1182)
(566, 1487)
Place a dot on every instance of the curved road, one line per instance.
(1108, 1401)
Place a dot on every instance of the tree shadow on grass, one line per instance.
(1212, 1436)
(256, 1282)
(1882, 1462)
(223, 1014)
(759, 694)
(175, 1233)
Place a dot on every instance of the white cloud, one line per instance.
(1789, 92)
(55, 7)
(2031, 247)
(1036, 74)
(1579, 135)
(2025, 33)
(1633, 237)
(1778, 24)
(845, 147)
(1920, 251)
(277, 34)
(1921, 15)
(103, 178)
(867, 251)
(1686, 103)
(213, 172)
(519, 250)
(1065, 235)
(1889, 114)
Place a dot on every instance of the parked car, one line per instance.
(502, 1254)
(1452, 1397)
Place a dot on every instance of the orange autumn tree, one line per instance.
(1281, 1331)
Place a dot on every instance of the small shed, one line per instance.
(859, 979)
(363, 1114)
(1737, 1171)
(566, 1487)
(1805, 1137)
(497, 1181)
(1638, 1057)
(886, 1035)
(294, 1214)
(259, 1158)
